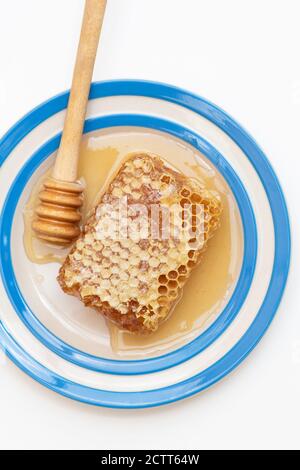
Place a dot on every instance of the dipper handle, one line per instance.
(66, 164)
(58, 214)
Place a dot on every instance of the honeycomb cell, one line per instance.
(146, 180)
(105, 273)
(172, 284)
(124, 265)
(105, 262)
(134, 271)
(173, 253)
(134, 260)
(181, 280)
(154, 262)
(96, 269)
(191, 264)
(133, 282)
(106, 284)
(107, 253)
(124, 254)
(77, 256)
(173, 274)
(196, 198)
(135, 195)
(126, 179)
(114, 279)
(185, 203)
(117, 192)
(165, 179)
(124, 276)
(185, 193)
(163, 300)
(173, 294)
(115, 247)
(163, 279)
(163, 290)
(182, 269)
(134, 183)
(163, 312)
(192, 231)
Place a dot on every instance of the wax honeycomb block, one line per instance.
(141, 243)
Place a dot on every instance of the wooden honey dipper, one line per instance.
(58, 214)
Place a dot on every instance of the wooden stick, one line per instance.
(67, 158)
(58, 214)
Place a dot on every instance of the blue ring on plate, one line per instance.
(278, 280)
(181, 354)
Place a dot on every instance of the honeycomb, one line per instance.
(133, 268)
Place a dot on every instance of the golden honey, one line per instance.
(135, 278)
(211, 283)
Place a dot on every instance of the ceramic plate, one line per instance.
(35, 329)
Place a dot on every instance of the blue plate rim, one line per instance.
(276, 287)
(181, 354)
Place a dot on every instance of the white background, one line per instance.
(244, 56)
